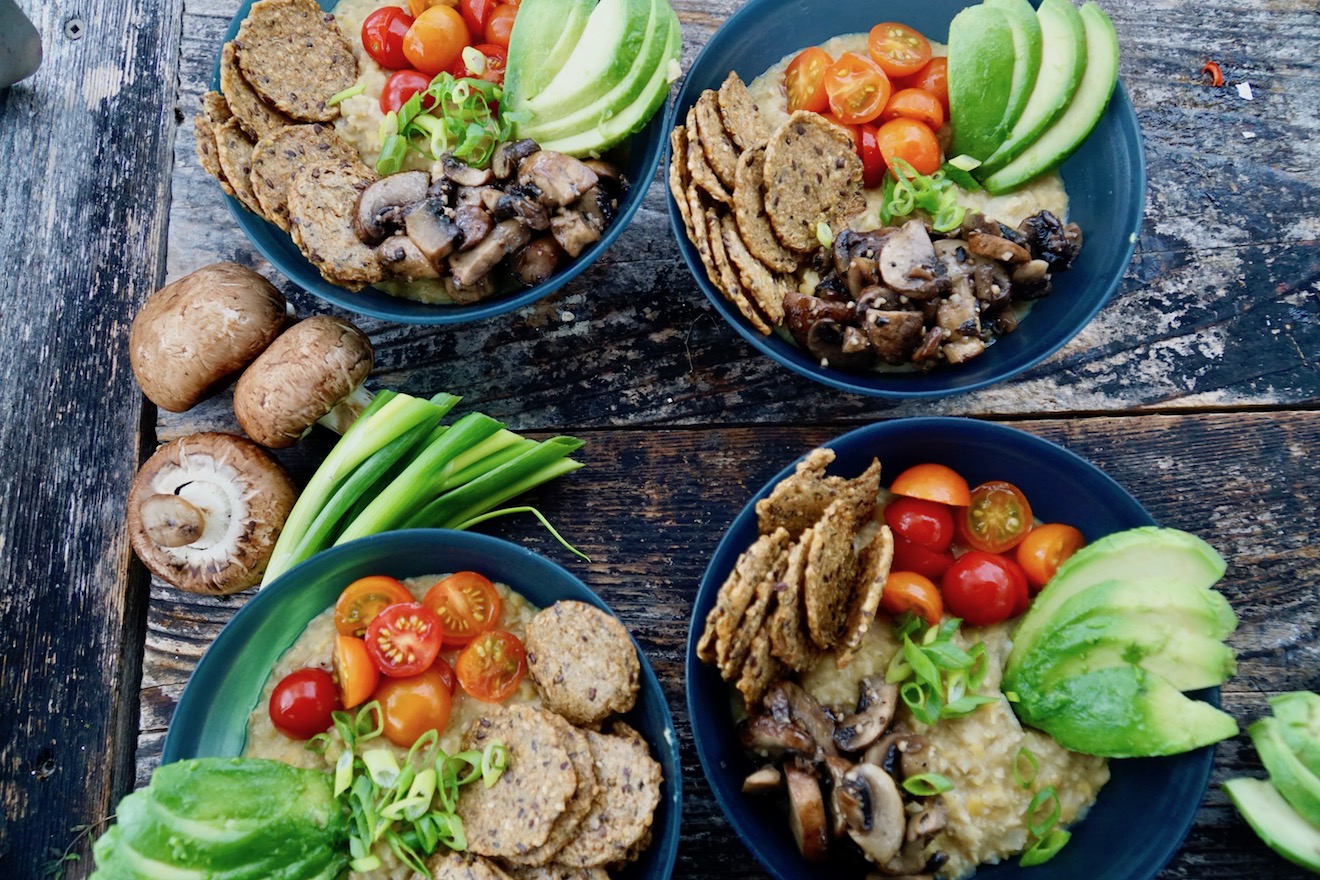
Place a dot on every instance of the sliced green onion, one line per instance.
(343, 772)
(365, 864)
(1046, 797)
(318, 744)
(474, 61)
(1025, 778)
(471, 759)
(967, 704)
(1046, 848)
(927, 784)
(922, 667)
(494, 761)
(382, 767)
(980, 665)
(393, 150)
(350, 92)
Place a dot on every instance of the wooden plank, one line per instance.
(85, 186)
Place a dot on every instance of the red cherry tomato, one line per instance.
(897, 48)
(475, 13)
(436, 40)
(401, 86)
(927, 523)
(1044, 549)
(857, 88)
(912, 142)
(983, 588)
(804, 80)
(497, 61)
(997, 518)
(466, 603)
(933, 78)
(909, 591)
(499, 26)
(363, 599)
(301, 704)
(873, 161)
(382, 36)
(923, 561)
(442, 668)
(933, 482)
(917, 104)
(354, 670)
(409, 707)
(492, 666)
(404, 639)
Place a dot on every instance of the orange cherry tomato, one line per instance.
(857, 88)
(409, 707)
(933, 482)
(467, 604)
(897, 48)
(998, 517)
(417, 7)
(436, 40)
(804, 80)
(356, 675)
(917, 104)
(404, 640)
(934, 78)
(909, 591)
(363, 599)
(910, 141)
(1044, 549)
(500, 24)
(492, 666)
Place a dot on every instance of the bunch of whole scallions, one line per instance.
(398, 467)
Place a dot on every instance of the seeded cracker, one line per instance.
(208, 155)
(254, 114)
(629, 782)
(833, 566)
(582, 661)
(800, 499)
(216, 108)
(812, 175)
(767, 289)
(699, 168)
(515, 815)
(234, 149)
(719, 150)
(557, 872)
(760, 671)
(280, 155)
(679, 179)
(876, 560)
(741, 117)
(729, 281)
(294, 56)
(789, 640)
(449, 865)
(739, 589)
(321, 203)
(749, 210)
(753, 620)
(579, 805)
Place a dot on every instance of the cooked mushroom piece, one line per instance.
(806, 813)
(873, 809)
(1050, 240)
(196, 332)
(475, 264)
(606, 172)
(462, 173)
(205, 510)
(857, 258)
(802, 311)
(836, 768)
(893, 334)
(788, 701)
(431, 227)
(402, 259)
(381, 206)
(475, 223)
(900, 753)
(575, 230)
(839, 346)
(519, 202)
(508, 155)
(771, 738)
(561, 179)
(766, 780)
(538, 261)
(996, 247)
(313, 373)
(921, 827)
(876, 705)
(475, 292)
(908, 263)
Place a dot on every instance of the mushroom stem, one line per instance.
(347, 411)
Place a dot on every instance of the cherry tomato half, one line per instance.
(497, 61)
(873, 161)
(499, 26)
(927, 523)
(436, 40)
(354, 670)
(997, 518)
(401, 86)
(363, 599)
(933, 482)
(466, 603)
(804, 80)
(1044, 549)
(933, 78)
(897, 48)
(857, 89)
(912, 142)
(409, 707)
(404, 639)
(917, 104)
(492, 666)
(301, 704)
(382, 36)
(909, 591)
(475, 13)
(442, 668)
(983, 588)
(923, 561)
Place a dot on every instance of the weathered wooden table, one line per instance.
(1196, 388)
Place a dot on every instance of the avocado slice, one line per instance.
(1027, 46)
(1062, 61)
(602, 58)
(1082, 114)
(545, 33)
(1276, 823)
(982, 59)
(1299, 723)
(1298, 785)
(1146, 554)
(1123, 712)
(653, 54)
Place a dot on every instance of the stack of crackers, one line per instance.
(754, 201)
(270, 123)
(810, 584)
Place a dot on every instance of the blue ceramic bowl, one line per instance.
(211, 718)
(639, 158)
(1159, 796)
(1105, 179)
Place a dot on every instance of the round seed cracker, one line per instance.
(749, 210)
(679, 179)
(766, 289)
(582, 661)
(702, 174)
(728, 281)
(789, 641)
(294, 56)
(741, 117)
(216, 108)
(204, 141)
(234, 149)
(556, 872)
(447, 864)
(281, 154)
(321, 203)
(566, 826)
(254, 114)
(812, 176)
(718, 148)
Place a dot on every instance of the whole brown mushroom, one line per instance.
(313, 372)
(194, 333)
(205, 511)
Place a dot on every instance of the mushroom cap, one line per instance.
(195, 332)
(205, 511)
(303, 375)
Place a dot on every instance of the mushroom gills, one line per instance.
(873, 809)
(380, 207)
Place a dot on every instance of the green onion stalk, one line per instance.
(458, 116)
(906, 191)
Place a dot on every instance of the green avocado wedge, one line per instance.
(1275, 822)
(982, 60)
(1298, 785)
(545, 33)
(1067, 132)
(1299, 723)
(1062, 61)
(605, 52)
(1027, 48)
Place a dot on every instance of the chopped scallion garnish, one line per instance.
(927, 784)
